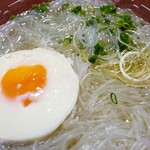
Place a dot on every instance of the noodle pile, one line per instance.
(96, 122)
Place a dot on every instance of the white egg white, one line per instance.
(59, 96)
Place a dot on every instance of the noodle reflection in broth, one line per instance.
(110, 50)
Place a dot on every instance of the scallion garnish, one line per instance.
(113, 98)
(125, 22)
(99, 50)
(108, 9)
(92, 59)
(124, 37)
(12, 17)
(44, 7)
(76, 10)
(65, 6)
(112, 30)
(68, 40)
(93, 21)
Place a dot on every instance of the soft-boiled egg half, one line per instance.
(38, 90)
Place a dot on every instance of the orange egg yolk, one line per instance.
(23, 79)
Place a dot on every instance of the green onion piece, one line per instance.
(68, 40)
(107, 21)
(12, 17)
(93, 21)
(76, 9)
(60, 41)
(83, 12)
(124, 37)
(92, 59)
(122, 47)
(108, 9)
(99, 50)
(65, 6)
(125, 22)
(112, 30)
(104, 53)
(102, 28)
(44, 7)
(113, 98)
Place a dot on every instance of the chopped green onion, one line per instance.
(76, 9)
(92, 59)
(83, 12)
(44, 7)
(108, 9)
(125, 22)
(93, 21)
(113, 98)
(12, 17)
(125, 37)
(65, 6)
(60, 41)
(107, 21)
(104, 53)
(99, 50)
(35, 7)
(67, 41)
(102, 28)
(112, 30)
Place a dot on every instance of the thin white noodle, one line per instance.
(96, 122)
(125, 74)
